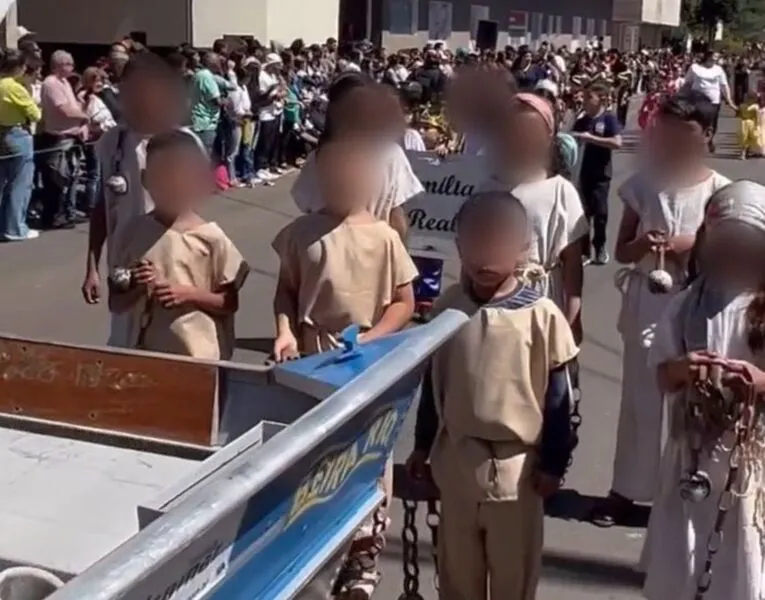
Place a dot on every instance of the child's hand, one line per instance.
(740, 374)
(546, 485)
(285, 348)
(683, 371)
(650, 241)
(416, 464)
(144, 273)
(171, 295)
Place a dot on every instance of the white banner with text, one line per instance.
(447, 182)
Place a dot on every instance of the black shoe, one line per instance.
(612, 510)
(62, 223)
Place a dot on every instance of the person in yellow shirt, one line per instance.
(18, 111)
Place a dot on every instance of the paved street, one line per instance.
(41, 298)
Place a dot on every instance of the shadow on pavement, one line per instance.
(570, 505)
(578, 569)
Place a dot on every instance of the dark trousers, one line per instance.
(595, 200)
(715, 122)
(57, 172)
(267, 147)
(621, 113)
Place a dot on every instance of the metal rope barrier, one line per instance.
(75, 145)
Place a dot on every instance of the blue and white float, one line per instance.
(104, 491)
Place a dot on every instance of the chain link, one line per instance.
(575, 419)
(410, 551)
(724, 504)
(434, 520)
(711, 412)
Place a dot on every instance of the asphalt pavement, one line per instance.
(40, 298)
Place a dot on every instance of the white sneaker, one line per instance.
(265, 175)
(32, 234)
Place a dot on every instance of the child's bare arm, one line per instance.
(573, 280)
(285, 304)
(396, 316)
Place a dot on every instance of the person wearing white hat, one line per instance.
(270, 117)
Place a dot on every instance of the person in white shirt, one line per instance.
(239, 108)
(710, 79)
(100, 121)
(270, 119)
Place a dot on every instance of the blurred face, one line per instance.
(349, 176)
(178, 179)
(592, 103)
(65, 66)
(488, 251)
(96, 83)
(674, 138)
(523, 139)
(731, 254)
(151, 102)
(359, 110)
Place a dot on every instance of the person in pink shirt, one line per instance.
(64, 122)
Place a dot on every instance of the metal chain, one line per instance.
(724, 504)
(711, 412)
(575, 419)
(434, 520)
(410, 552)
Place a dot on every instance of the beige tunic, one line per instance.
(204, 258)
(344, 274)
(489, 381)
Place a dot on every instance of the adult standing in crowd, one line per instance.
(206, 101)
(64, 123)
(18, 112)
(709, 78)
(101, 120)
(271, 104)
(152, 95)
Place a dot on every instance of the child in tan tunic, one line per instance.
(494, 411)
(341, 265)
(185, 272)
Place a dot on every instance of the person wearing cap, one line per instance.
(26, 42)
(270, 108)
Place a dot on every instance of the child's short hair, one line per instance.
(599, 89)
(176, 139)
(691, 106)
(494, 207)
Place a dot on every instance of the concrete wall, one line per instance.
(212, 19)
(168, 23)
(165, 22)
(405, 23)
(655, 12)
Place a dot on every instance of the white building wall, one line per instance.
(654, 12)
(212, 19)
(311, 20)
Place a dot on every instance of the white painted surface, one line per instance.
(65, 503)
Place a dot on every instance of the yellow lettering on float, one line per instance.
(334, 471)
